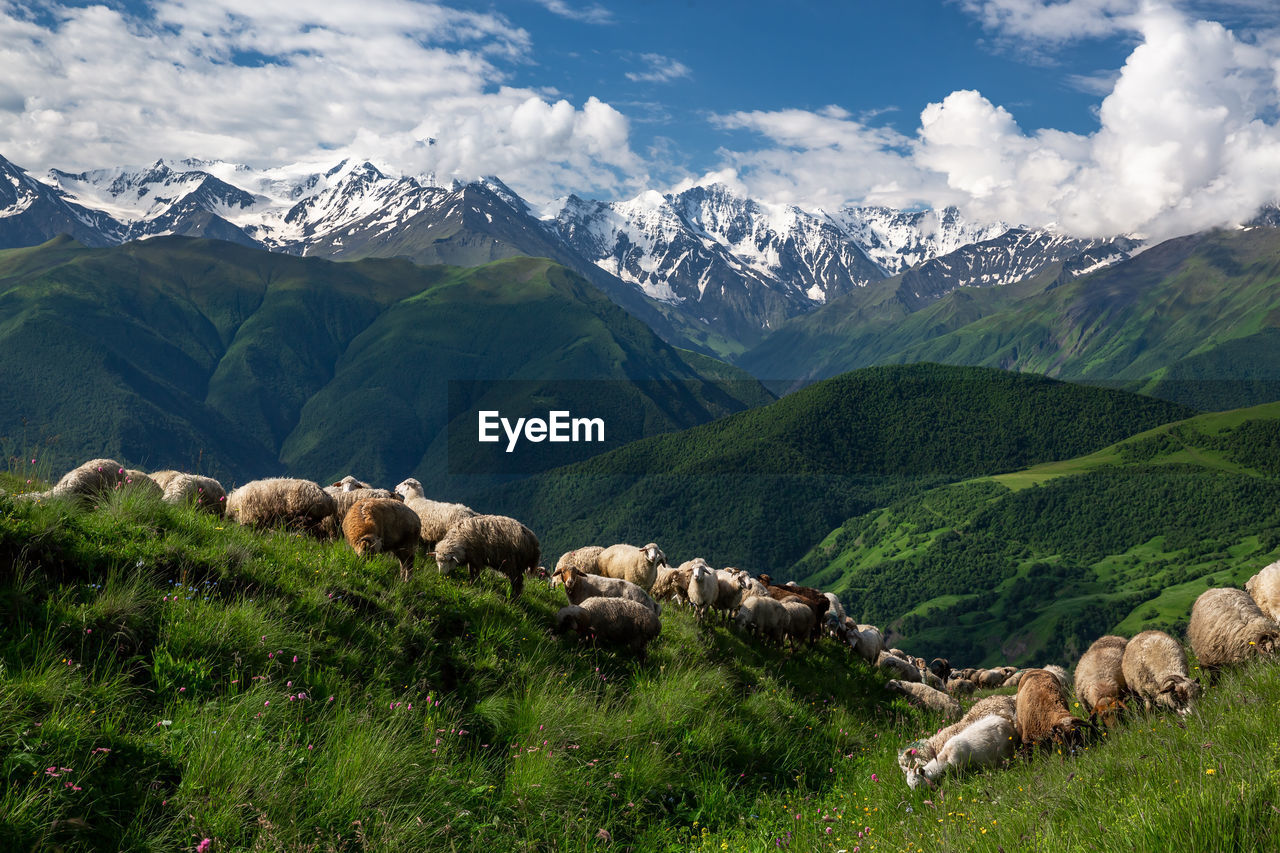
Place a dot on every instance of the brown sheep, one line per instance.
(1227, 627)
(1264, 589)
(1041, 714)
(616, 621)
(344, 499)
(383, 525)
(1155, 668)
(496, 541)
(1099, 682)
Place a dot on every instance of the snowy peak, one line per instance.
(897, 240)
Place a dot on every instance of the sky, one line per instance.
(1098, 117)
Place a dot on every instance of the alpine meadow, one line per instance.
(574, 426)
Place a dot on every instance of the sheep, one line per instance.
(924, 696)
(139, 482)
(297, 504)
(582, 559)
(703, 589)
(1099, 682)
(436, 516)
(1227, 627)
(811, 598)
(928, 677)
(753, 588)
(616, 621)
(916, 755)
(495, 541)
(93, 479)
(1155, 668)
(579, 586)
(344, 499)
(378, 525)
(989, 679)
(834, 606)
(165, 477)
(731, 584)
(205, 493)
(1264, 589)
(1041, 714)
(765, 617)
(986, 743)
(802, 624)
(672, 584)
(1057, 672)
(866, 641)
(897, 667)
(348, 484)
(961, 687)
(940, 667)
(638, 565)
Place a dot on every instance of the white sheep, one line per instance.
(1227, 627)
(1155, 668)
(987, 743)
(764, 617)
(731, 585)
(205, 493)
(638, 565)
(436, 517)
(1264, 589)
(703, 589)
(296, 504)
(583, 559)
(800, 621)
(579, 586)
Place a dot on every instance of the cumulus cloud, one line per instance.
(1188, 139)
(273, 81)
(660, 69)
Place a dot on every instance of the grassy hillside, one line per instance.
(1193, 320)
(1038, 562)
(166, 678)
(194, 353)
(757, 489)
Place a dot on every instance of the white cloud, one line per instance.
(100, 87)
(591, 14)
(661, 69)
(1060, 21)
(1188, 139)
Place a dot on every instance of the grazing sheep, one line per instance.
(924, 696)
(866, 641)
(1155, 668)
(1227, 627)
(703, 589)
(638, 565)
(164, 478)
(672, 584)
(834, 606)
(94, 479)
(579, 586)
(961, 687)
(139, 482)
(582, 559)
(916, 755)
(343, 500)
(205, 493)
(436, 516)
(383, 525)
(1041, 714)
(897, 667)
(615, 621)
(1099, 683)
(990, 679)
(296, 504)
(764, 617)
(496, 541)
(986, 743)
(1264, 589)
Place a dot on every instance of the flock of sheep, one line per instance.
(614, 597)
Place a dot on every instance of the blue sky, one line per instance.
(1098, 116)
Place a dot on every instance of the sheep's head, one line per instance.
(447, 558)
(569, 577)
(1069, 732)
(654, 555)
(368, 544)
(350, 484)
(913, 756)
(571, 618)
(409, 488)
(1178, 693)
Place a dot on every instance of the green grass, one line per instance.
(167, 677)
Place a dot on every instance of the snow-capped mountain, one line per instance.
(897, 240)
(706, 267)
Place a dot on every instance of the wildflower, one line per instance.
(203, 846)
(875, 778)
(295, 658)
(1210, 771)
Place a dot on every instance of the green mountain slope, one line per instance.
(1032, 565)
(1192, 319)
(180, 352)
(757, 489)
